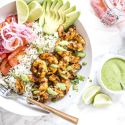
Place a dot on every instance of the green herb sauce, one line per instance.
(113, 74)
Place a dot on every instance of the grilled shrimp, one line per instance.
(74, 59)
(67, 84)
(76, 66)
(43, 84)
(39, 68)
(44, 97)
(52, 62)
(49, 57)
(72, 35)
(64, 53)
(64, 74)
(54, 79)
(20, 87)
(75, 46)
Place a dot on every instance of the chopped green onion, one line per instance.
(36, 92)
(61, 86)
(52, 92)
(39, 50)
(84, 63)
(90, 80)
(61, 95)
(54, 66)
(80, 77)
(64, 43)
(81, 54)
(24, 78)
(59, 49)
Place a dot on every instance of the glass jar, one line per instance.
(109, 11)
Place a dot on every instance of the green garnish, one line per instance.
(54, 66)
(90, 80)
(52, 92)
(59, 49)
(75, 87)
(61, 86)
(36, 92)
(80, 77)
(81, 54)
(64, 43)
(61, 95)
(39, 50)
(24, 78)
(84, 63)
(75, 81)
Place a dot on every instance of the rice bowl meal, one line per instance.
(40, 55)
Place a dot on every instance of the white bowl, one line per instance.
(105, 59)
(21, 107)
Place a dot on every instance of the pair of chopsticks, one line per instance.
(63, 115)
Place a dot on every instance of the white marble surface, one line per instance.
(104, 41)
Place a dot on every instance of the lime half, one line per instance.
(22, 11)
(35, 11)
(89, 94)
(102, 100)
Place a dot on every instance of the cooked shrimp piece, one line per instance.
(49, 57)
(74, 59)
(54, 78)
(39, 68)
(67, 84)
(43, 84)
(20, 87)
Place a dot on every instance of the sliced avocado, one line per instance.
(53, 20)
(51, 27)
(56, 8)
(42, 18)
(61, 11)
(70, 10)
(49, 3)
(71, 18)
(52, 7)
(64, 7)
(53, 4)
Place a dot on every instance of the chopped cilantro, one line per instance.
(75, 81)
(84, 63)
(90, 80)
(80, 77)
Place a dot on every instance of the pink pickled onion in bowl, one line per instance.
(15, 32)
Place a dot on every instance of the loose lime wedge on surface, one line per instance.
(89, 94)
(22, 11)
(35, 11)
(102, 100)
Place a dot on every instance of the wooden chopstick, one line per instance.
(63, 115)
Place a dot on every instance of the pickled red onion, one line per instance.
(11, 32)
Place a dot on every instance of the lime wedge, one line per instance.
(102, 100)
(35, 11)
(22, 11)
(89, 94)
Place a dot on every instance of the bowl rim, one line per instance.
(104, 60)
